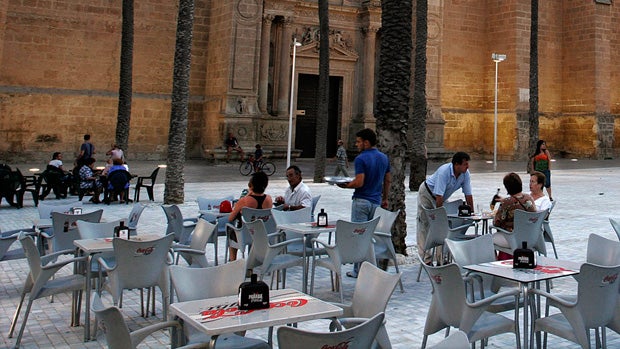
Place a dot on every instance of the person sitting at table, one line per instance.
(88, 180)
(537, 183)
(517, 200)
(117, 165)
(256, 198)
(56, 178)
(297, 195)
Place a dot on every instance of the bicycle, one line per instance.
(247, 167)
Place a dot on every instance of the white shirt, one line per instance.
(299, 196)
(56, 163)
(542, 203)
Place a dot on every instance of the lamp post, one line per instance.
(290, 111)
(497, 58)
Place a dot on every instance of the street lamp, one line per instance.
(496, 57)
(290, 111)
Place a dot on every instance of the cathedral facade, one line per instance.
(59, 68)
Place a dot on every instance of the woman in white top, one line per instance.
(537, 182)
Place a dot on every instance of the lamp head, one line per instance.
(496, 57)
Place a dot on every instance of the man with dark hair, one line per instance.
(232, 144)
(437, 189)
(87, 149)
(297, 195)
(371, 183)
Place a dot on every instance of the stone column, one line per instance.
(284, 83)
(263, 75)
(369, 73)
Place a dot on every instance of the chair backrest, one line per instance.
(175, 223)
(354, 240)
(438, 229)
(456, 340)
(211, 203)
(264, 214)
(46, 209)
(32, 255)
(452, 207)
(139, 264)
(448, 302)
(94, 230)
(387, 219)
(360, 336)
(200, 283)
(260, 241)
(373, 290)
(112, 323)
(201, 235)
(153, 175)
(315, 200)
(597, 293)
(602, 251)
(528, 227)
(474, 251)
(134, 216)
(616, 225)
(64, 240)
(117, 180)
(298, 216)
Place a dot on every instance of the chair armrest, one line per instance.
(325, 246)
(45, 235)
(189, 250)
(178, 245)
(382, 234)
(285, 243)
(462, 226)
(58, 265)
(487, 301)
(53, 256)
(104, 264)
(138, 336)
(347, 309)
(500, 230)
(561, 301)
(11, 234)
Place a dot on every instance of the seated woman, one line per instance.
(88, 180)
(121, 184)
(537, 183)
(256, 198)
(517, 200)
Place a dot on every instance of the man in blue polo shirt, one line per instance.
(437, 189)
(371, 183)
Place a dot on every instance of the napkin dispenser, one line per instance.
(465, 210)
(253, 294)
(524, 257)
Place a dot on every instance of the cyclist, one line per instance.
(258, 158)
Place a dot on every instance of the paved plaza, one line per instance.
(587, 194)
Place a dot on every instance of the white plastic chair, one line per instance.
(527, 227)
(360, 336)
(315, 201)
(201, 283)
(384, 247)
(39, 282)
(373, 290)
(450, 308)
(220, 230)
(456, 340)
(353, 244)
(616, 226)
(194, 253)
(61, 240)
(139, 264)
(181, 227)
(439, 230)
(597, 297)
(45, 208)
(244, 239)
(265, 257)
(547, 234)
(95, 230)
(117, 333)
(8, 238)
(134, 217)
(298, 216)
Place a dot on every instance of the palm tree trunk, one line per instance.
(125, 80)
(533, 113)
(417, 150)
(323, 97)
(392, 109)
(174, 186)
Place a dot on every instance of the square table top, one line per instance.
(306, 228)
(547, 268)
(99, 245)
(214, 316)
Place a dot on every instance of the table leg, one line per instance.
(525, 314)
(304, 287)
(89, 261)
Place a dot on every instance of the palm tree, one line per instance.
(533, 113)
(174, 186)
(323, 97)
(417, 148)
(125, 79)
(392, 108)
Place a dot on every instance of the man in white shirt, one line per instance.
(297, 195)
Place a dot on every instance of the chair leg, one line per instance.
(555, 252)
(400, 281)
(149, 191)
(19, 308)
(23, 326)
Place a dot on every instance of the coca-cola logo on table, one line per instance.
(232, 309)
(341, 345)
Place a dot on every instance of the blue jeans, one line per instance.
(362, 210)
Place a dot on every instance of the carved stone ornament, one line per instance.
(337, 38)
(272, 132)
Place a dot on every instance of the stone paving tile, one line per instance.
(586, 198)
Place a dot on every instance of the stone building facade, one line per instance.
(59, 68)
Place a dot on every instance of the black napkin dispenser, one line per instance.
(253, 294)
(465, 210)
(524, 257)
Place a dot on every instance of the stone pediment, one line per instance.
(340, 47)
